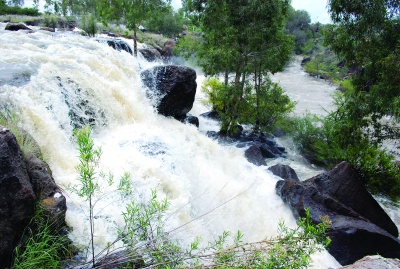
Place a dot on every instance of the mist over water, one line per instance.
(56, 82)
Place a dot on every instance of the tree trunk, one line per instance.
(134, 42)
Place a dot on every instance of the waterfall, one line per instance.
(58, 82)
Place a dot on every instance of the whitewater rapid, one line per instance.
(52, 79)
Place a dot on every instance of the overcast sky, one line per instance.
(316, 8)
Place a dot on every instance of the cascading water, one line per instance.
(57, 82)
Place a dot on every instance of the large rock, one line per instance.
(166, 53)
(49, 195)
(360, 226)
(284, 171)
(172, 88)
(16, 26)
(253, 155)
(374, 262)
(17, 197)
(116, 44)
(151, 55)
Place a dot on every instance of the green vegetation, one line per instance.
(245, 46)
(10, 120)
(147, 243)
(17, 10)
(44, 247)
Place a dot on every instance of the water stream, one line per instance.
(55, 82)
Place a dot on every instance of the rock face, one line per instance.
(253, 154)
(17, 198)
(360, 226)
(374, 262)
(24, 183)
(172, 88)
(16, 26)
(169, 45)
(284, 171)
(151, 55)
(48, 193)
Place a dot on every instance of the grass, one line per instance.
(44, 247)
(9, 119)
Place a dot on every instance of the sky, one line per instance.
(316, 8)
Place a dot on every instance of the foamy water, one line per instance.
(52, 79)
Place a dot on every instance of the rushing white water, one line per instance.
(53, 79)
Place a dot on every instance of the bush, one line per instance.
(50, 20)
(5, 10)
(328, 141)
(88, 24)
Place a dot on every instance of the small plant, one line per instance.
(50, 20)
(44, 247)
(88, 24)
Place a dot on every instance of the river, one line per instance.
(51, 81)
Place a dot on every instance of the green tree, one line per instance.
(241, 38)
(368, 36)
(298, 25)
(166, 22)
(133, 11)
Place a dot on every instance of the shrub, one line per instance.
(88, 24)
(50, 20)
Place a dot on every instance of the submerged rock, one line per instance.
(172, 89)
(16, 26)
(360, 226)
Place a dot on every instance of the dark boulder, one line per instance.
(172, 88)
(48, 194)
(17, 197)
(48, 29)
(151, 55)
(254, 156)
(284, 171)
(116, 44)
(305, 60)
(16, 26)
(360, 226)
(190, 119)
(213, 115)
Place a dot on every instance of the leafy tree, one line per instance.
(240, 38)
(298, 25)
(167, 22)
(133, 11)
(368, 36)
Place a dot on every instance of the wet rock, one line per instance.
(17, 198)
(49, 29)
(284, 171)
(47, 192)
(374, 262)
(151, 55)
(116, 44)
(172, 89)
(211, 115)
(16, 26)
(191, 120)
(360, 226)
(254, 156)
(305, 60)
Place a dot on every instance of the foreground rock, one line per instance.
(374, 262)
(24, 183)
(16, 26)
(17, 198)
(172, 89)
(360, 227)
